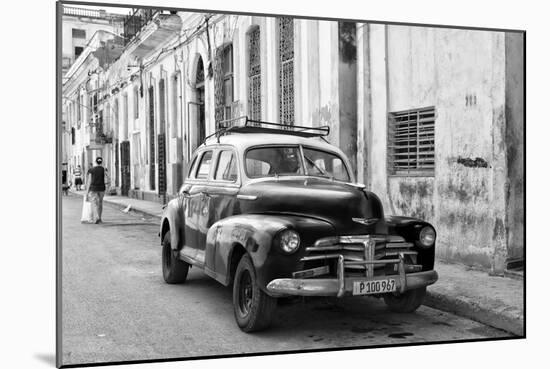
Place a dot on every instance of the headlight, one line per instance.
(289, 241)
(426, 238)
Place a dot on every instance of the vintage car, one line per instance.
(275, 211)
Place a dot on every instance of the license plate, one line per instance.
(372, 287)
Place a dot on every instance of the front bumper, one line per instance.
(342, 285)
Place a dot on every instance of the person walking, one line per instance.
(78, 178)
(95, 189)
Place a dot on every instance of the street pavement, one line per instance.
(116, 306)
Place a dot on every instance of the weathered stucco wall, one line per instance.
(515, 126)
(461, 74)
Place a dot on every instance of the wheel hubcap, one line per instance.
(245, 293)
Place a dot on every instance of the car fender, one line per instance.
(172, 220)
(409, 228)
(229, 238)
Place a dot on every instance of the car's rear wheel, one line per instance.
(254, 309)
(173, 270)
(405, 302)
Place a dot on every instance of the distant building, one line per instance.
(78, 27)
(431, 118)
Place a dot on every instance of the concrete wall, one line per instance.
(461, 73)
(515, 127)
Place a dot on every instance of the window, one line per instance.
(223, 83)
(191, 167)
(125, 116)
(228, 80)
(108, 117)
(78, 105)
(227, 167)
(274, 161)
(254, 74)
(78, 33)
(175, 106)
(162, 106)
(286, 70)
(136, 103)
(411, 142)
(325, 164)
(77, 51)
(204, 165)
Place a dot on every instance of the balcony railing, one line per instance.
(82, 12)
(133, 23)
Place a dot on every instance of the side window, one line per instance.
(204, 166)
(227, 167)
(192, 167)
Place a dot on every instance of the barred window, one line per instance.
(411, 142)
(223, 83)
(286, 70)
(254, 74)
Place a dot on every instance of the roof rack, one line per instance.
(244, 125)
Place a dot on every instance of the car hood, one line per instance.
(349, 208)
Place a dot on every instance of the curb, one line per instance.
(464, 307)
(123, 206)
(132, 209)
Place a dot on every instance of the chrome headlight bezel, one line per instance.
(288, 241)
(426, 237)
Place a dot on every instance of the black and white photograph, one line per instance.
(236, 183)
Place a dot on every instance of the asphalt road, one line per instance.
(116, 306)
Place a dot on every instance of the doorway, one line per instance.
(125, 168)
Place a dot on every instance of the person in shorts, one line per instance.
(95, 185)
(78, 178)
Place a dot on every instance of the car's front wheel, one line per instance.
(254, 309)
(173, 270)
(405, 302)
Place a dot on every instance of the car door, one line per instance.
(221, 194)
(194, 205)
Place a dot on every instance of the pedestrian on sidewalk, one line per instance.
(78, 178)
(95, 189)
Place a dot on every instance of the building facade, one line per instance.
(79, 25)
(431, 118)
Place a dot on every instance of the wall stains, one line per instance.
(346, 42)
(323, 116)
(499, 230)
(473, 163)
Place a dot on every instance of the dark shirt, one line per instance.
(98, 178)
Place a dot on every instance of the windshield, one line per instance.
(287, 160)
(325, 164)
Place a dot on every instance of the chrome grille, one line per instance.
(377, 250)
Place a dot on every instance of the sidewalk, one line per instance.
(491, 300)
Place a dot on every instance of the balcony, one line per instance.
(146, 29)
(133, 23)
(99, 135)
(82, 12)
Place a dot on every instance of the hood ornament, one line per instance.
(365, 221)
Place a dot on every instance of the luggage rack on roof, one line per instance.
(258, 126)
